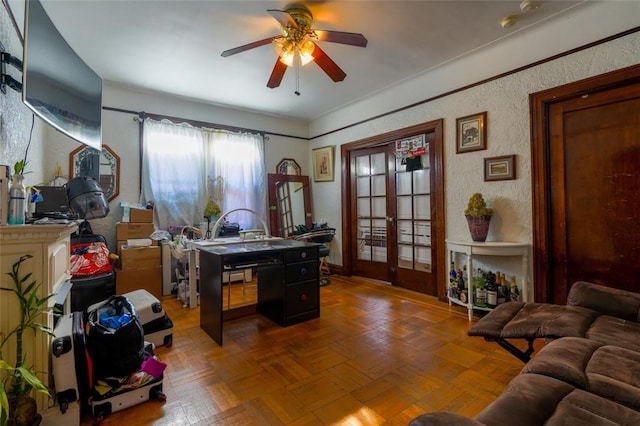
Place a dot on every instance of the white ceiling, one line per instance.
(174, 46)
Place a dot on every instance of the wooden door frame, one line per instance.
(437, 196)
(539, 104)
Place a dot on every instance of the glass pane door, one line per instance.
(413, 214)
(371, 207)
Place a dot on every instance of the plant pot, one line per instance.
(479, 227)
(23, 411)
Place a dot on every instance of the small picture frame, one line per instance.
(500, 168)
(323, 164)
(471, 133)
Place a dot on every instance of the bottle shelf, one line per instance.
(493, 248)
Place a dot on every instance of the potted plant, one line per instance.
(17, 406)
(478, 217)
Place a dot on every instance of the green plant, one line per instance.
(477, 207)
(20, 380)
(20, 167)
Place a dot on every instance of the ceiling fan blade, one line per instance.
(249, 46)
(276, 74)
(352, 39)
(283, 18)
(326, 63)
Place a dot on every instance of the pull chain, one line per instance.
(296, 59)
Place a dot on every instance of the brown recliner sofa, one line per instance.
(588, 373)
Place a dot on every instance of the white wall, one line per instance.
(505, 100)
(120, 132)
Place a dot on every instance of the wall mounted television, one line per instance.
(58, 85)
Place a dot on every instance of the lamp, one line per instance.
(87, 198)
(288, 49)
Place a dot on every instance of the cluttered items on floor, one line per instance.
(104, 363)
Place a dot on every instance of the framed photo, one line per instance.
(500, 168)
(323, 164)
(471, 133)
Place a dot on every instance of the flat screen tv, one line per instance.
(57, 84)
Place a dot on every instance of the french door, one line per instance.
(391, 215)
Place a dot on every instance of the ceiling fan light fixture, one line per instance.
(306, 51)
(288, 50)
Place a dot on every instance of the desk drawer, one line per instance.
(301, 271)
(302, 297)
(300, 255)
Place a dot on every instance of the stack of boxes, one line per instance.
(140, 266)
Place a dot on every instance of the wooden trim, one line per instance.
(481, 82)
(412, 105)
(540, 104)
(437, 194)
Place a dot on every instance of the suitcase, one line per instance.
(156, 324)
(114, 401)
(93, 288)
(70, 366)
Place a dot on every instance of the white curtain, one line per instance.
(239, 159)
(173, 172)
(178, 161)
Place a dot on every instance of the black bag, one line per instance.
(115, 338)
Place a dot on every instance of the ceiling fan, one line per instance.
(298, 44)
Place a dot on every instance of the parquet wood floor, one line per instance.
(377, 355)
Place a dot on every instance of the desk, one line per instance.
(288, 281)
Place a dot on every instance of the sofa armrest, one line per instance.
(609, 301)
(442, 418)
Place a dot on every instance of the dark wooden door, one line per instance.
(593, 192)
(393, 209)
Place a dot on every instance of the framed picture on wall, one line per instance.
(500, 168)
(323, 164)
(471, 133)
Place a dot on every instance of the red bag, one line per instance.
(90, 259)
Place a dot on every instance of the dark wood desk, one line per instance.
(288, 281)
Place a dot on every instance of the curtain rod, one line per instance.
(141, 115)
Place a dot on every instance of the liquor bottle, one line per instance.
(501, 288)
(462, 291)
(515, 293)
(453, 284)
(479, 289)
(492, 293)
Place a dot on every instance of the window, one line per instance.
(178, 159)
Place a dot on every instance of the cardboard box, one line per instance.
(130, 231)
(149, 279)
(139, 257)
(121, 243)
(141, 216)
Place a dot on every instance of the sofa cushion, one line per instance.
(608, 371)
(533, 399)
(615, 331)
(609, 301)
(518, 320)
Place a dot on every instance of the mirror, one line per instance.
(103, 166)
(288, 166)
(289, 203)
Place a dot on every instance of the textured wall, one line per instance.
(15, 120)
(506, 102)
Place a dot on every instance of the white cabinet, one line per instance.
(50, 247)
(493, 248)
